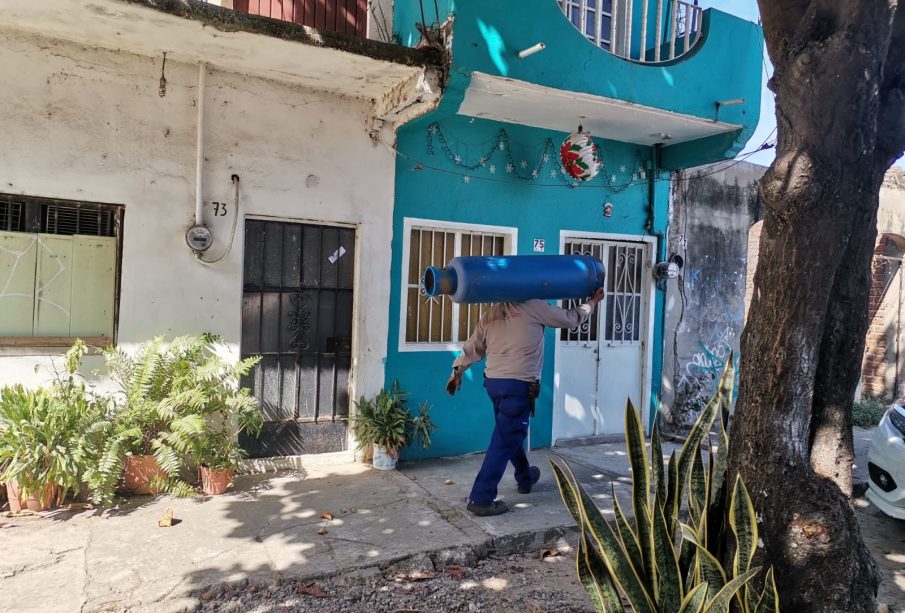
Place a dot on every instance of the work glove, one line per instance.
(454, 383)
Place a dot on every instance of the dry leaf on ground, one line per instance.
(448, 482)
(456, 571)
(322, 531)
(327, 515)
(549, 552)
(312, 590)
(167, 520)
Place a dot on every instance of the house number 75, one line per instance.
(219, 209)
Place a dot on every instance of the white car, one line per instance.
(886, 463)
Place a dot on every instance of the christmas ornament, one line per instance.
(579, 156)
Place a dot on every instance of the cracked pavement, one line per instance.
(268, 528)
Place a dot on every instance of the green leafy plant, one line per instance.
(868, 411)
(176, 402)
(49, 431)
(386, 421)
(36, 436)
(662, 564)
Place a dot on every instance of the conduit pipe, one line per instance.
(199, 160)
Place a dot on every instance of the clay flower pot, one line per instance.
(35, 501)
(138, 471)
(215, 481)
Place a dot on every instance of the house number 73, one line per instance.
(219, 209)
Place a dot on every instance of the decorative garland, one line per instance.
(549, 163)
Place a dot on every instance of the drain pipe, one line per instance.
(199, 161)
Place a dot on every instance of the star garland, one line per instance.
(547, 165)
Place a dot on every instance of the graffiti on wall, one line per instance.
(714, 322)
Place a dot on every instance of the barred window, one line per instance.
(439, 320)
(59, 267)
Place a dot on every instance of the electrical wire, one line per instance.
(232, 234)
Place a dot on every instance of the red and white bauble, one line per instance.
(580, 157)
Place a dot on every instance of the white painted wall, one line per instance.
(84, 123)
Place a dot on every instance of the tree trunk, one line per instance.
(810, 534)
(832, 448)
(804, 338)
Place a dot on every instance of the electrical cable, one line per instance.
(232, 234)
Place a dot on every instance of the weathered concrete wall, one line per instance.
(711, 213)
(89, 124)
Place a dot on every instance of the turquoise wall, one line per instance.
(724, 65)
(538, 209)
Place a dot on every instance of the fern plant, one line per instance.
(172, 400)
(662, 564)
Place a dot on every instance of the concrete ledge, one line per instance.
(228, 20)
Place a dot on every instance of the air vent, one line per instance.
(85, 219)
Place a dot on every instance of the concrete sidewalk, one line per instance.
(271, 527)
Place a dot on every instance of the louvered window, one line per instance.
(78, 218)
(439, 321)
(59, 268)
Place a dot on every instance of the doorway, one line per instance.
(604, 362)
(297, 316)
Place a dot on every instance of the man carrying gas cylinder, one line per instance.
(511, 336)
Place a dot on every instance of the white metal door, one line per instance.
(600, 364)
(622, 338)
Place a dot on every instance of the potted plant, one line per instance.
(218, 453)
(37, 451)
(172, 400)
(386, 424)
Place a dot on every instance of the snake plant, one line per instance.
(669, 559)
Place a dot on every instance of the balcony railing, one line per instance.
(668, 32)
(342, 16)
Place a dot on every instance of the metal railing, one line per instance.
(343, 16)
(608, 24)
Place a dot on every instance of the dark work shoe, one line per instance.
(535, 477)
(497, 507)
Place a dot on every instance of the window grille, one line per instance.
(622, 320)
(587, 332)
(11, 215)
(439, 320)
(78, 218)
(624, 295)
(62, 217)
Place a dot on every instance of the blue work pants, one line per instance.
(512, 410)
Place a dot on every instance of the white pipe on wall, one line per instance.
(199, 160)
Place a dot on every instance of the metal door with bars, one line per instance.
(601, 364)
(297, 315)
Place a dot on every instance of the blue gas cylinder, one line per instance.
(515, 278)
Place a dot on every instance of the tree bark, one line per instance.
(837, 99)
(832, 447)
